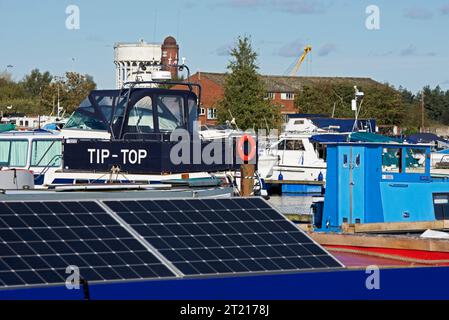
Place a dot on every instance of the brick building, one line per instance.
(280, 89)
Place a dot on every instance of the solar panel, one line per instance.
(39, 240)
(223, 236)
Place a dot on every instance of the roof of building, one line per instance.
(289, 83)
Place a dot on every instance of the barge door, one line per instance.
(356, 185)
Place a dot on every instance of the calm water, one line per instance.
(294, 204)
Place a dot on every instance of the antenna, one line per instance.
(356, 108)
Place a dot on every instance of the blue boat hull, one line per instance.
(410, 283)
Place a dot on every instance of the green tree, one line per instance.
(77, 88)
(36, 82)
(244, 92)
(36, 93)
(73, 89)
(381, 102)
(436, 104)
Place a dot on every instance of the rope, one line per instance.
(389, 256)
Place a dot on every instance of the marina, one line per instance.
(345, 199)
(189, 173)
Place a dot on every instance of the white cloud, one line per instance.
(224, 50)
(418, 13)
(327, 49)
(291, 49)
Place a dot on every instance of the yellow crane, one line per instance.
(301, 59)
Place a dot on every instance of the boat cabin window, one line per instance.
(13, 153)
(416, 160)
(291, 145)
(392, 160)
(321, 150)
(86, 118)
(105, 106)
(46, 153)
(170, 113)
(140, 119)
(298, 122)
(193, 110)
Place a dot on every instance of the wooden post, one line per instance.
(247, 179)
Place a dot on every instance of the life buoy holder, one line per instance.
(252, 145)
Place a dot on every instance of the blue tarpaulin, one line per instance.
(371, 137)
(353, 137)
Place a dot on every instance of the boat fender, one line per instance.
(320, 176)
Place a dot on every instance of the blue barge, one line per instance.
(380, 185)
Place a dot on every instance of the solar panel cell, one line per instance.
(223, 236)
(38, 241)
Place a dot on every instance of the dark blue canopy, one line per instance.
(324, 138)
(306, 115)
(424, 138)
(344, 125)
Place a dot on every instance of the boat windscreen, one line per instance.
(86, 117)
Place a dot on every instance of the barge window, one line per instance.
(415, 160)
(357, 160)
(170, 112)
(46, 153)
(140, 117)
(13, 153)
(392, 160)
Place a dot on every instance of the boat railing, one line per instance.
(49, 165)
(149, 136)
(27, 133)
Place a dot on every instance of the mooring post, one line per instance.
(247, 179)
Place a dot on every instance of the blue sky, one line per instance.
(410, 49)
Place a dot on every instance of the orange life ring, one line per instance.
(252, 152)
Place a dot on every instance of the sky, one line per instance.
(410, 48)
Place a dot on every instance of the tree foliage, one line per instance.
(244, 92)
(436, 104)
(381, 101)
(37, 92)
(36, 82)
